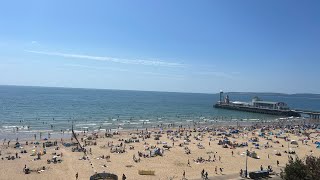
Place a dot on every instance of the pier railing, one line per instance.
(312, 114)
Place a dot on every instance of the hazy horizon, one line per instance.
(248, 92)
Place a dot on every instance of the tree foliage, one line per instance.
(297, 169)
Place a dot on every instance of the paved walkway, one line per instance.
(234, 177)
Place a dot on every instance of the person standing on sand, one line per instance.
(184, 174)
(77, 176)
(278, 163)
(221, 169)
(124, 177)
(216, 170)
(188, 163)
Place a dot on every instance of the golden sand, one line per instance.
(169, 166)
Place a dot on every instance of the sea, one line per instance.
(25, 111)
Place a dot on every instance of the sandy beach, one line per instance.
(165, 152)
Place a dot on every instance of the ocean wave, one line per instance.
(144, 120)
(36, 131)
(88, 124)
(11, 127)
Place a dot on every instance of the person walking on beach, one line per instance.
(202, 173)
(206, 175)
(184, 174)
(77, 176)
(124, 177)
(278, 163)
(261, 168)
(216, 170)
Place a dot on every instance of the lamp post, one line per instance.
(221, 93)
(246, 173)
(288, 149)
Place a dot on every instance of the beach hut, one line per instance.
(236, 131)
(254, 155)
(106, 176)
(294, 142)
(17, 145)
(277, 152)
(34, 152)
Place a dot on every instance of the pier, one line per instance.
(257, 105)
(311, 114)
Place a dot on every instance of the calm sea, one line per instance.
(54, 109)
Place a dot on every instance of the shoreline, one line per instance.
(25, 135)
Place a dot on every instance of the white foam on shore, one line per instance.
(254, 119)
(144, 120)
(88, 124)
(11, 127)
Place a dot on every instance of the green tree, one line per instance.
(302, 170)
(313, 165)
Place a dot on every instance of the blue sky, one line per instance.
(183, 46)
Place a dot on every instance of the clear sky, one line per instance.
(183, 46)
